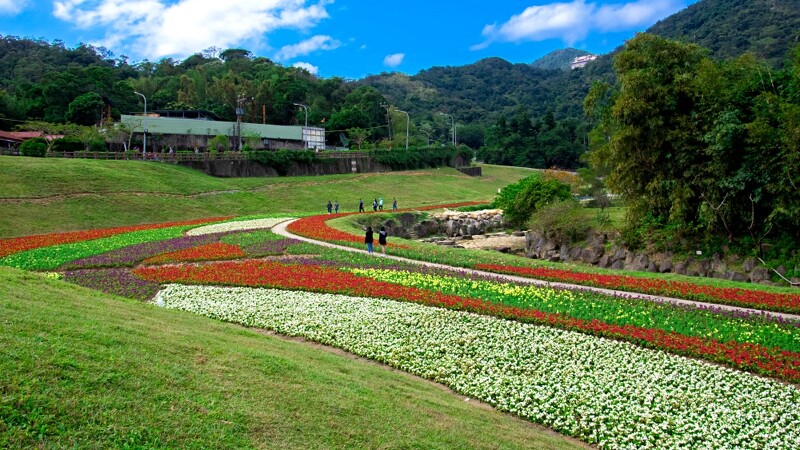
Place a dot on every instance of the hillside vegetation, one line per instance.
(42, 195)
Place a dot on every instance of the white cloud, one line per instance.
(159, 28)
(394, 60)
(12, 7)
(313, 70)
(571, 22)
(319, 42)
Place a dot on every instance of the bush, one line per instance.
(564, 219)
(34, 147)
(282, 160)
(521, 199)
(420, 157)
(67, 144)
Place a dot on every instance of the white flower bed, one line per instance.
(599, 390)
(241, 225)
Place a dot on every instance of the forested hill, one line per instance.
(767, 28)
(559, 59)
(481, 92)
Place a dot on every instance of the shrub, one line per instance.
(521, 199)
(34, 147)
(67, 144)
(564, 219)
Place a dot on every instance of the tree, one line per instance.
(86, 109)
(358, 136)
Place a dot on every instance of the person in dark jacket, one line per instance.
(382, 239)
(360, 205)
(330, 206)
(368, 240)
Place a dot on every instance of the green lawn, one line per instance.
(82, 369)
(42, 195)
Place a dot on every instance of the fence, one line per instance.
(172, 157)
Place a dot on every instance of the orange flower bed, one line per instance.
(207, 252)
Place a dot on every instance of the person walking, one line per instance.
(374, 204)
(330, 206)
(380, 203)
(336, 206)
(394, 202)
(382, 239)
(360, 205)
(368, 240)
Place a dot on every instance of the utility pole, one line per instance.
(408, 120)
(388, 119)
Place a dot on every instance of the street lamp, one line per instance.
(454, 126)
(144, 125)
(305, 108)
(408, 120)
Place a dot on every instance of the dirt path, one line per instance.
(281, 230)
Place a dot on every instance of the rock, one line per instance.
(518, 233)
(680, 268)
(564, 252)
(735, 276)
(604, 262)
(781, 270)
(749, 264)
(759, 274)
(592, 255)
(665, 266)
(555, 258)
(617, 265)
(504, 249)
(448, 243)
(575, 253)
(652, 267)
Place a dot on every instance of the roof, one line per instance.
(19, 136)
(174, 125)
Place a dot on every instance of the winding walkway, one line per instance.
(281, 230)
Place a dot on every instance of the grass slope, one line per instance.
(83, 369)
(42, 195)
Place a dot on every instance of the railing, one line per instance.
(180, 156)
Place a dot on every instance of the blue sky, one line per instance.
(346, 38)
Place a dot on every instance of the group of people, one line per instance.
(369, 239)
(377, 205)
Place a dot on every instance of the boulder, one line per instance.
(665, 265)
(758, 275)
(749, 264)
(680, 268)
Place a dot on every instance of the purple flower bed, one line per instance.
(114, 281)
(130, 256)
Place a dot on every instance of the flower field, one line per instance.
(241, 225)
(207, 252)
(20, 244)
(748, 298)
(602, 391)
(744, 354)
(610, 370)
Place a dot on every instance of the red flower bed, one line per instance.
(734, 296)
(23, 243)
(207, 252)
(314, 227)
(773, 362)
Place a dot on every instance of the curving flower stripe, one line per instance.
(604, 392)
(734, 296)
(240, 225)
(314, 227)
(747, 356)
(23, 243)
(207, 252)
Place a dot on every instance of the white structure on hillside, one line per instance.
(581, 61)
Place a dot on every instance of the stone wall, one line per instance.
(598, 250)
(245, 168)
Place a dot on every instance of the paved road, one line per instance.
(281, 230)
